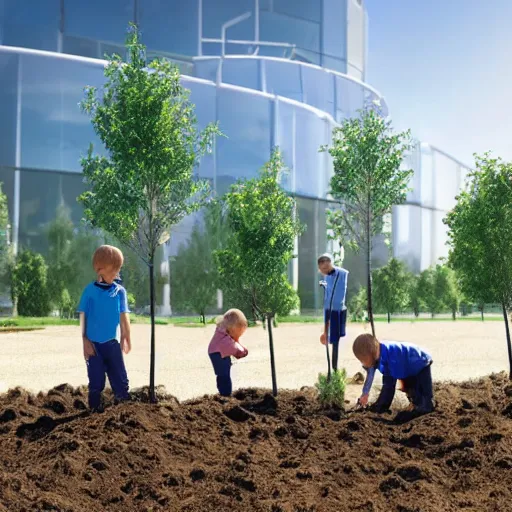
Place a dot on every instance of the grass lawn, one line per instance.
(9, 324)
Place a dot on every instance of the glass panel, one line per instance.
(206, 68)
(242, 72)
(427, 183)
(339, 65)
(427, 236)
(285, 139)
(407, 235)
(170, 25)
(356, 39)
(245, 120)
(307, 9)
(310, 164)
(440, 232)
(7, 180)
(445, 181)
(40, 195)
(98, 20)
(51, 118)
(318, 89)
(334, 30)
(31, 24)
(283, 78)
(216, 13)
(349, 98)
(412, 161)
(283, 29)
(204, 98)
(8, 105)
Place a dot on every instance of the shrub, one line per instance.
(131, 301)
(331, 393)
(29, 284)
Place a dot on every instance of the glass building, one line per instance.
(271, 72)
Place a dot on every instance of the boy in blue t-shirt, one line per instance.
(396, 361)
(335, 310)
(103, 309)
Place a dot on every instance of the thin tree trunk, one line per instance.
(482, 314)
(272, 360)
(152, 396)
(509, 346)
(389, 317)
(369, 270)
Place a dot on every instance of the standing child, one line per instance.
(335, 310)
(224, 344)
(396, 361)
(103, 309)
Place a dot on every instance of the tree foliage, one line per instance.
(368, 180)
(146, 183)
(29, 284)
(391, 287)
(263, 226)
(480, 231)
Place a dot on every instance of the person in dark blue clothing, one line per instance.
(335, 309)
(103, 312)
(397, 362)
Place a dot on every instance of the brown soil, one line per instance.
(252, 453)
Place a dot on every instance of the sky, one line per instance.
(445, 70)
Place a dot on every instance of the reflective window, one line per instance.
(440, 236)
(412, 161)
(216, 13)
(245, 120)
(31, 24)
(407, 235)
(307, 9)
(310, 170)
(170, 25)
(445, 181)
(285, 138)
(427, 236)
(206, 68)
(318, 89)
(55, 133)
(7, 181)
(8, 105)
(335, 64)
(242, 72)
(279, 28)
(427, 179)
(349, 98)
(40, 195)
(283, 78)
(98, 20)
(204, 98)
(334, 30)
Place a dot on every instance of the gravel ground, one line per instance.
(41, 359)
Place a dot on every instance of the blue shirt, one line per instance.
(402, 360)
(102, 306)
(336, 290)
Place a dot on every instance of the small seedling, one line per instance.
(331, 392)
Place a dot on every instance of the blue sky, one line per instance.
(445, 69)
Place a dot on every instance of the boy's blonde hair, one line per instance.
(232, 318)
(108, 255)
(365, 345)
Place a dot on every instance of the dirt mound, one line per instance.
(255, 453)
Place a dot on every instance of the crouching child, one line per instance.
(397, 362)
(224, 344)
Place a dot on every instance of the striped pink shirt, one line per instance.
(222, 342)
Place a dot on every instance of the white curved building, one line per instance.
(271, 72)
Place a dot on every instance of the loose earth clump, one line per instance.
(254, 452)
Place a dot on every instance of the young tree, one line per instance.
(480, 231)
(263, 227)
(447, 288)
(194, 273)
(146, 184)
(391, 287)
(368, 180)
(29, 285)
(430, 291)
(415, 297)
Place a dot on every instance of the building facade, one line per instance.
(271, 72)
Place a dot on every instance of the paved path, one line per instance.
(41, 359)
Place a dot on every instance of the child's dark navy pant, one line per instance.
(222, 369)
(337, 329)
(108, 361)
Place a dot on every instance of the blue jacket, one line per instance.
(402, 360)
(336, 282)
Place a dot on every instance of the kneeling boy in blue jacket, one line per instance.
(396, 361)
